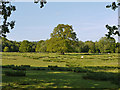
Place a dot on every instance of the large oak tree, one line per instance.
(62, 39)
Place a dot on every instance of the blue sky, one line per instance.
(87, 18)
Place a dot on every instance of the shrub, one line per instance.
(15, 73)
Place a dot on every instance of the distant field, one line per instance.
(45, 59)
(80, 65)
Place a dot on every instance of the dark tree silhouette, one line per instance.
(113, 30)
(6, 12)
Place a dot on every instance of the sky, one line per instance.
(87, 18)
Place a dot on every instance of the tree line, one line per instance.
(63, 40)
(102, 46)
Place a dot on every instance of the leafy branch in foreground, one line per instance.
(6, 9)
(42, 2)
(113, 30)
(6, 12)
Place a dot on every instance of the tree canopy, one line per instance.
(25, 46)
(62, 39)
(41, 46)
(104, 45)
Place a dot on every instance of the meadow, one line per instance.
(51, 70)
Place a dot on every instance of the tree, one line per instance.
(6, 49)
(97, 47)
(41, 46)
(13, 45)
(0, 44)
(113, 30)
(107, 45)
(91, 46)
(25, 46)
(85, 48)
(62, 39)
(117, 47)
(79, 46)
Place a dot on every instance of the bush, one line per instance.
(15, 73)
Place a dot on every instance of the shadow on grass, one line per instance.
(59, 77)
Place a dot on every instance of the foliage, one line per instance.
(42, 2)
(97, 50)
(7, 10)
(25, 46)
(113, 30)
(64, 32)
(78, 47)
(91, 46)
(6, 49)
(106, 45)
(59, 45)
(41, 46)
(12, 45)
(62, 39)
(117, 49)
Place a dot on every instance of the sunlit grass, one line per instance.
(59, 79)
(50, 79)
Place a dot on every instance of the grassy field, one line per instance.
(65, 71)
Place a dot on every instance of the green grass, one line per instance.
(46, 78)
(45, 59)
(54, 79)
